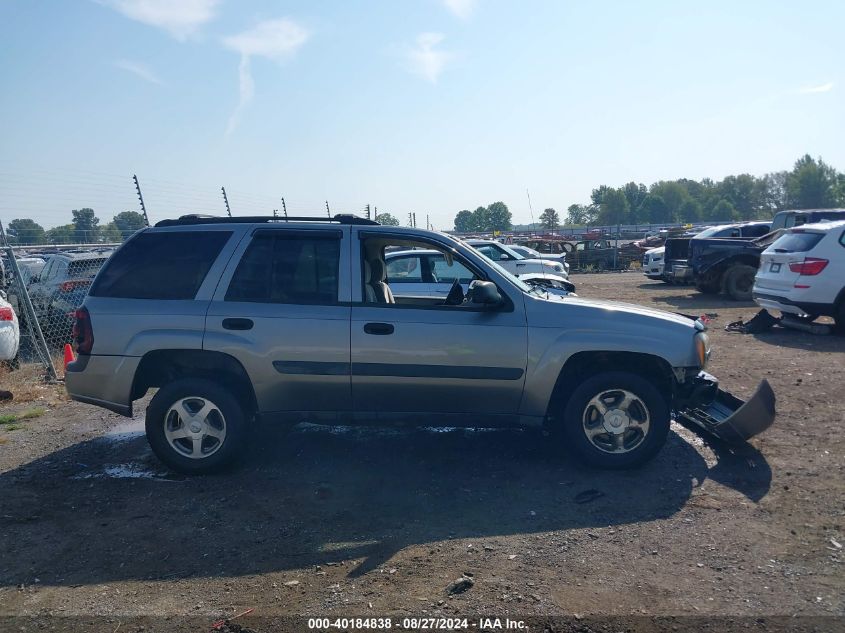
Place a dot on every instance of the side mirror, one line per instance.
(485, 293)
(503, 257)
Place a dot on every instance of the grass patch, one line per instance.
(9, 419)
(28, 384)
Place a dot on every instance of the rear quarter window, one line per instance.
(85, 268)
(796, 242)
(165, 265)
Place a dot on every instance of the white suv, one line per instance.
(803, 272)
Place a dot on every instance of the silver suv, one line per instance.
(239, 319)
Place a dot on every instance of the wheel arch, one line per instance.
(161, 367)
(584, 364)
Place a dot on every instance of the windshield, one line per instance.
(711, 231)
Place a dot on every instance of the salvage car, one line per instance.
(10, 336)
(240, 319)
(719, 259)
(653, 263)
(515, 263)
(803, 273)
(530, 253)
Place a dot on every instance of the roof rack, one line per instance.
(196, 218)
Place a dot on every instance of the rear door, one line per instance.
(282, 309)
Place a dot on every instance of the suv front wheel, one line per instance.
(195, 426)
(615, 420)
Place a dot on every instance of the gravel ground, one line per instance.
(375, 522)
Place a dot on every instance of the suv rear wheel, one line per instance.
(615, 420)
(195, 426)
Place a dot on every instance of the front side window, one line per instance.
(287, 269)
(444, 273)
(404, 270)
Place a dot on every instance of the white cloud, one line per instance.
(425, 60)
(461, 8)
(816, 89)
(276, 40)
(180, 18)
(138, 69)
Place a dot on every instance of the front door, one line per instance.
(435, 358)
(282, 310)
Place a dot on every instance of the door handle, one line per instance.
(237, 324)
(378, 328)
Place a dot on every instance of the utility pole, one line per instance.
(414, 216)
(368, 211)
(328, 211)
(284, 208)
(226, 200)
(141, 198)
(275, 213)
(410, 219)
(427, 223)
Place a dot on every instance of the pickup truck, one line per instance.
(284, 320)
(719, 259)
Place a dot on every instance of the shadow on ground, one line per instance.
(104, 510)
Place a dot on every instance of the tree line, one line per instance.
(84, 229)
(810, 184)
(494, 217)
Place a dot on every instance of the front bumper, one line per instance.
(722, 414)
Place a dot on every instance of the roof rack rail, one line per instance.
(196, 218)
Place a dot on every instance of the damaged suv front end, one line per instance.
(698, 400)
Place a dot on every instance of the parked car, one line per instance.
(653, 263)
(530, 253)
(716, 259)
(515, 263)
(59, 289)
(797, 217)
(803, 273)
(237, 318)
(9, 331)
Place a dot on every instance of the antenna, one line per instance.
(226, 200)
(141, 198)
(530, 209)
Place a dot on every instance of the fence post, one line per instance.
(25, 303)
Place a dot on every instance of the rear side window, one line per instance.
(796, 242)
(404, 270)
(160, 265)
(287, 269)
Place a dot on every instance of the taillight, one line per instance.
(810, 266)
(6, 314)
(83, 333)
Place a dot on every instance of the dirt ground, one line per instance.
(376, 522)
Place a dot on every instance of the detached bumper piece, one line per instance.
(723, 414)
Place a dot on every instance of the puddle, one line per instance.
(126, 471)
(125, 431)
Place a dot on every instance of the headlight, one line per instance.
(558, 268)
(702, 349)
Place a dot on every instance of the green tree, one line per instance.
(674, 195)
(499, 217)
(480, 219)
(635, 194)
(387, 219)
(464, 221)
(110, 234)
(577, 214)
(614, 207)
(723, 210)
(85, 225)
(549, 219)
(65, 234)
(127, 222)
(26, 231)
(654, 210)
(812, 184)
(691, 211)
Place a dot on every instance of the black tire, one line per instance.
(739, 281)
(234, 424)
(839, 319)
(573, 434)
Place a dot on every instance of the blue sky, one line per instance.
(429, 106)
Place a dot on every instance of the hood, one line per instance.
(618, 311)
(656, 251)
